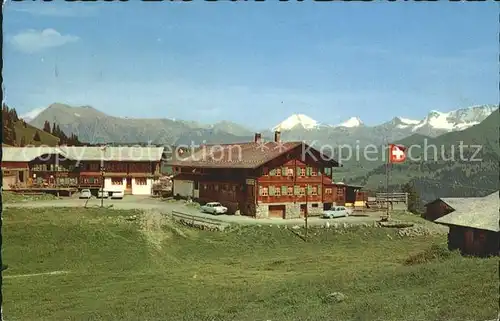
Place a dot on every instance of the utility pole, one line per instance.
(102, 186)
(387, 164)
(306, 210)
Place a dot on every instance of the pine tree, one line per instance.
(414, 205)
(46, 127)
(36, 137)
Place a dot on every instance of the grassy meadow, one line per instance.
(114, 268)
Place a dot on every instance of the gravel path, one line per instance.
(130, 202)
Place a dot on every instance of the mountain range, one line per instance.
(432, 178)
(450, 174)
(94, 126)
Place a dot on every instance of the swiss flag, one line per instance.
(397, 153)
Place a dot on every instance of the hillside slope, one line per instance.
(94, 126)
(16, 132)
(446, 171)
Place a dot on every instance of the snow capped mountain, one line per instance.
(454, 120)
(433, 124)
(296, 121)
(351, 122)
(29, 116)
(402, 123)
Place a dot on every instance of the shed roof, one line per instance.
(83, 153)
(476, 212)
(243, 155)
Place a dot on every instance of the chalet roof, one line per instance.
(25, 154)
(243, 155)
(476, 212)
(83, 153)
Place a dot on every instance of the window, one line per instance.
(278, 171)
(116, 181)
(263, 191)
(140, 181)
(302, 172)
(216, 187)
(140, 167)
(233, 188)
(290, 171)
(277, 192)
(314, 172)
(328, 191)
(205, 186)
(314, 205)
(93, 167)
(340, 192)
(265, 171)
(314, 190)
(302, 191)
(196, 185)
(290, 190)
(116, 167)
(272, 172)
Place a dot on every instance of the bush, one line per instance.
(434, 253)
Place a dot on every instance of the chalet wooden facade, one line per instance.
(260, 179)
(474, 226)
(129, 169)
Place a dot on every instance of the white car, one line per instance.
(85, 193)
(117, 194)
(337, 211)
(214, 208)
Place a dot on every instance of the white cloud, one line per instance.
(31, 41)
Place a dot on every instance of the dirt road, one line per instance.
(146, 203)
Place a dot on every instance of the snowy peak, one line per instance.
(29, 116)
(401, 122)
(407, 121)
(294, 121)
(459, 119)
(351, 122)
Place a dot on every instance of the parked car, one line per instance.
(102, 194)
(85, 193)
(117, 194)
(214, 208)
(337, 211)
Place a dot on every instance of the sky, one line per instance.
(252, 63)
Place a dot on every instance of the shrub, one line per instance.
(434, 253)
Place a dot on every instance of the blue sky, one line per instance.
(252, 63)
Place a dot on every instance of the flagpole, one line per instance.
(387, 183)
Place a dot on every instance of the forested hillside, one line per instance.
(16, 132)
(445, 170)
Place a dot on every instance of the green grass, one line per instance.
(28, 133)
(11, 197)
(247, 273)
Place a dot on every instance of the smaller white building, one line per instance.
(129, 185)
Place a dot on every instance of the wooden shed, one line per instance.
(474, 225)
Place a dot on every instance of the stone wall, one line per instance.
(314, 211)
(292, 210)
(262, 210)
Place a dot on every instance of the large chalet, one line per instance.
(129, 169)
(260, 179)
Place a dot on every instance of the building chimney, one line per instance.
(258, 138)
(277, 136)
